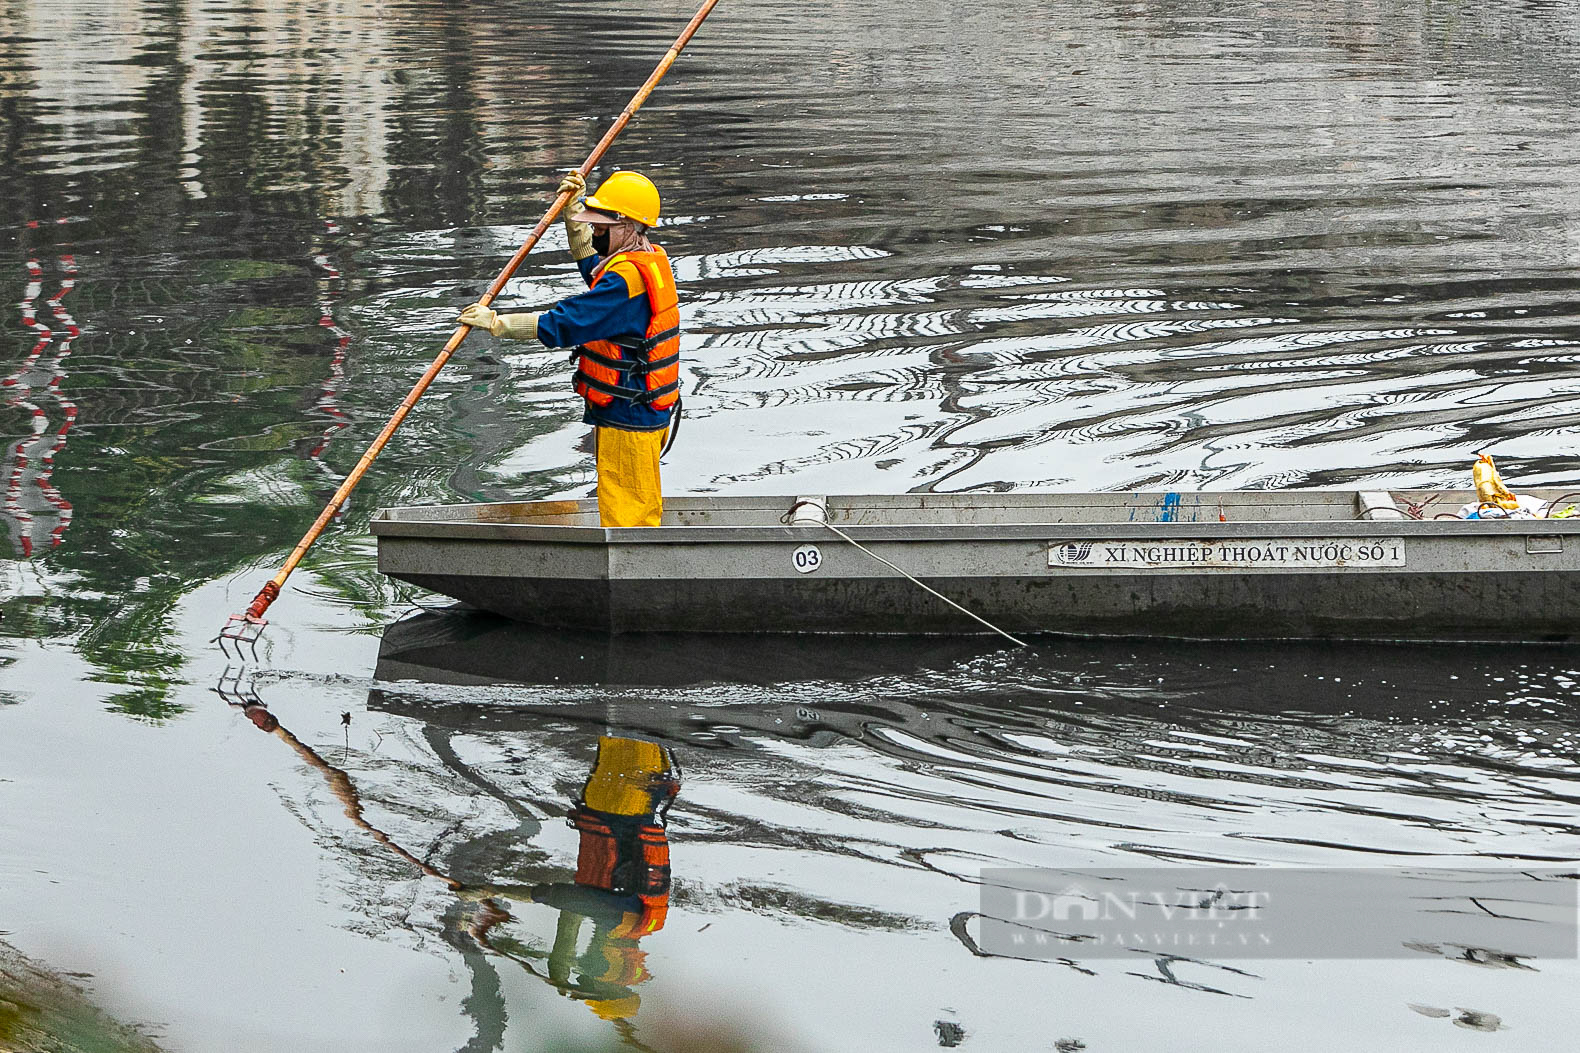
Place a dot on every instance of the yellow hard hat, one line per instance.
(627, 194)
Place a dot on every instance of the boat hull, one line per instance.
(1089, 574)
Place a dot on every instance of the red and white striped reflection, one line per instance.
(332, 286)
(35, 513)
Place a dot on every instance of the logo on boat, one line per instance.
(1334, 553)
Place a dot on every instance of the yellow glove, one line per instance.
(508, 326)
(578, 234)
(515, 326)
(477, 316)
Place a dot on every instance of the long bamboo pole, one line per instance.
(271, 591)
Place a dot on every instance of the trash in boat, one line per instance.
(1495, 501)
(1525, 508)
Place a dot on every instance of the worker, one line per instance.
(626, 333)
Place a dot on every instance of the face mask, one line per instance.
(600, 240)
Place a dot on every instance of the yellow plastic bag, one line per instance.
(1489, 485)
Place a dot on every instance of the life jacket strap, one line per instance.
(659, 392)
(675, 412)
(641, 398)
(641, 363)
(658, 338)
(603, 360)
(604, 386)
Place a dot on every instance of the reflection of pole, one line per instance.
(39, 380)
(342, 787)
(246, 698)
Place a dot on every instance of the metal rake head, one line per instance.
(243, 630)
(238, 688)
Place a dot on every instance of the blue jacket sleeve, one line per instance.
(600, 313)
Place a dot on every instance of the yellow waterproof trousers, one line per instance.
(628, 488)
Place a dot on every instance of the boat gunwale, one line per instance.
(1468, 529)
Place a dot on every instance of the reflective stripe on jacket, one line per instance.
(645, 371)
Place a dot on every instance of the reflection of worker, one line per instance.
(623, 847)
(622, 869)
(621, 884)
(626, 330)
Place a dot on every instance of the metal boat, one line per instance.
(1294, 564)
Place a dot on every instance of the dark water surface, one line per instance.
(922, 247)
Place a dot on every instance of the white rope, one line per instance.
(935, 592)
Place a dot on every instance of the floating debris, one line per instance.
(950, 1034)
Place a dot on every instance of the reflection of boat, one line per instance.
(1020, 758)
(460, 670)
(1246, 564)
(474, 647)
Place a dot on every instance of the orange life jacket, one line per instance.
(651, 880)
(639, 866)
(598, 853)
(654, 361)
(644, 922)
